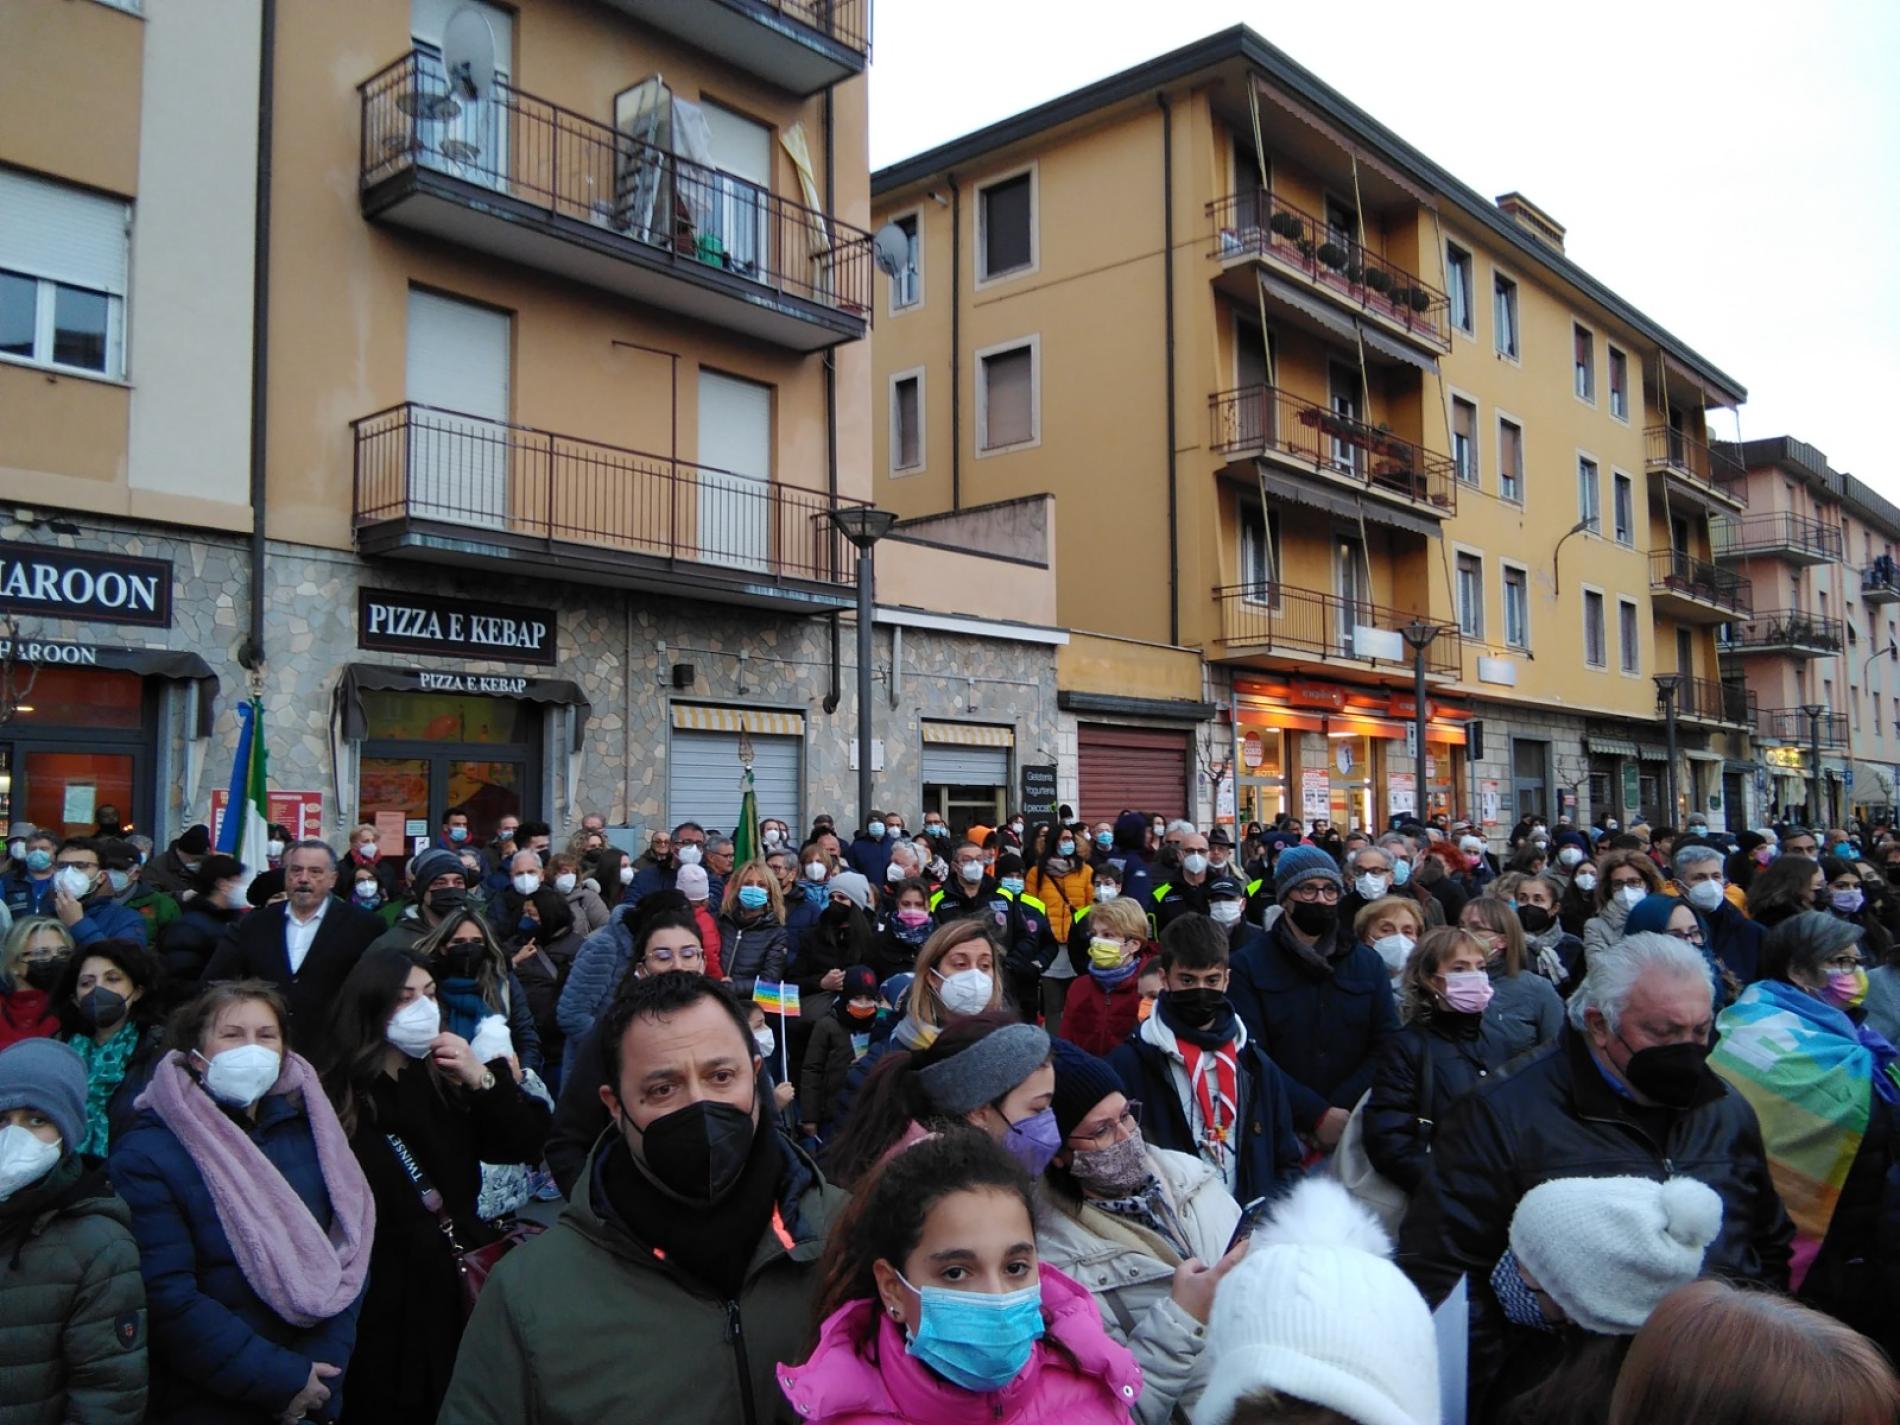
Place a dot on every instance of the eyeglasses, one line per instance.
(1124, 1127)
(1693, 935)
(1624, 885)
(666, 957)
(1845, 964)
(1316, 891)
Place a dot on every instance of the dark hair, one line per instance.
(688, 826)
(356, 1034)
(83, 843)
(117, 854)
(1578, 1387)
(885, 1220)
(1194, 942)
(1777, 890)
(141, 967)
(187, 1027)
(526, 829)
(910, 883)
(655, 997)
(1267, 1406)
(491, 975)
(214, 868)
(453, 812)
(1625, 841)
(646, 926)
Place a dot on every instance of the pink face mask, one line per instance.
(912, 918)
(1468, 991)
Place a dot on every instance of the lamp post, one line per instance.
(1668, 685)
(864, 526)
(1816, 816)
(1419, 635)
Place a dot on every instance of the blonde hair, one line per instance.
(1417, 998)
(1116, 920)
(762, 873)
(1496, 915)
(925, 1006)
(1384, 906)
(1612, 860)
(13, 958)
(357, 831)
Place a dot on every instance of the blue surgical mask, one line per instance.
(1012, 884)
(974, 1339)
(1065, 848)
(1105, 839)
(752, 897)
(39, 860)
(458, 833)
(1401, 872)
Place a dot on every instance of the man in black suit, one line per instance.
(304, 945)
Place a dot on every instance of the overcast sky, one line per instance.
(1731, 169)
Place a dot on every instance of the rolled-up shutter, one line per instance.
(1131, 768)
(68, 234)
(958, 766)
(703, 778)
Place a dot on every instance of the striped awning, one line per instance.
(1610, 746)
(970, 734)
(760, 720)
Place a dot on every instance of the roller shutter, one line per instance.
(1134, 768)
(959, 766)
(703, 778)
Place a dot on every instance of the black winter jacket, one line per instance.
(1464, 1050)
(748, 953)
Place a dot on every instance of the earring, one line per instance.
(896, 1315)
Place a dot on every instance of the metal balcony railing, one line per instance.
(1304, 623)
(1771, 630)
(1673, 571)
(1709, 700)
(1259, 418)
(1671, 451)
(549, 157)
(1880, 581)
(846, 21)
(1262, 224)
(418, 462)
(1791, 725)
(1776, 532)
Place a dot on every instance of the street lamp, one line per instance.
(1419, 635)
(1668, 685)
(864, 526)
(1816, 816)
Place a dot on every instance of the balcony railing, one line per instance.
(1880, 581)
(1778, 630)
(1791, 725)
(417, 462)
(1708, 700)
(1300, 623)
(1720, 474)
(1672, 571)
(846, 21)
(1262, 224)
(1262, 418)
(548, 157)
(1779, 532)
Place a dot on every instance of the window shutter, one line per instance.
(1006, 225)
(1006, 379)
(67, 234)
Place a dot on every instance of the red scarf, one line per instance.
(1219, 1100)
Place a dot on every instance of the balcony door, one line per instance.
(1678, 441)
(742, 152)
(1352, 581)
(1253, 409)
(1345, 392)
(455, 134)
(457, 362)
(735, 492)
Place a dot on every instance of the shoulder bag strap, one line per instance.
(1427, 1085)
(425, 1190)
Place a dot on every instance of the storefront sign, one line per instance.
(1401, 793)
(1405, 705)
(299, 813)
(1039, 790)
(32, 650)
(1632, 787)
(1252, 751)
(457, 628)
(498, 684)
(1785, 757)
(78, 584)
(1316, 794)
(389, 833)
(1329, 696)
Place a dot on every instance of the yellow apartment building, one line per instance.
(479, 383)
(1295, 388)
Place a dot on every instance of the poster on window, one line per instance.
(1316, 794)
(1224, 801)
(1401, 793)
(299, 813)
(1490, 802)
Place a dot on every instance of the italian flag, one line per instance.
(245, 832)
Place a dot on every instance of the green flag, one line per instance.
(745, 836)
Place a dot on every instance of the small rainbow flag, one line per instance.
(776, 997)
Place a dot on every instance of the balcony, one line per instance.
(1259, 227)
(1304, 626)
(1691, 591)
(1709, 701)
(1880, 581)
(1691, 470)
(1795, 539)
(1790, 725)
(1264, 422)
(802, 46)
(509, 500)
(1791, 631)
(525, 180)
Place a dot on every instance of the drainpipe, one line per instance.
(836, 693)
(251, 651)
(956, 337)
(1167, 289)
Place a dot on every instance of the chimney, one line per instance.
(1533, 219)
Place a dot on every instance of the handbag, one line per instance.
(1372, 1189)
(472, 1265)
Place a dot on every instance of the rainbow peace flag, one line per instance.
(776, 997)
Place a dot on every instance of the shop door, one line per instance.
(1529, 764)
(79, 741)
(1734, 812)
(1131, 769)
(966, 785)
(429, 753)
(735, 447)
(457, 362)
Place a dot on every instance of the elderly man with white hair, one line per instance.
(1624, 1091)
(1734, 939)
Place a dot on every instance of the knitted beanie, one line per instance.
(1607, 1250)
(430, 864)
(852, 887)
(46, 1075)
(985, 1071)
(1082, 1081)
(1299, 864)
(1317, 1311)
(692, 882)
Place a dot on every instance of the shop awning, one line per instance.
(1873, 781)
(1397, 350)
(1314, 309)
(360, 678)
(1652, 751)
(969, 734)
(1320, 496)
(770, 723)
(169, 663)
(1610, 746)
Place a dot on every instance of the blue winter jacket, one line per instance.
(106, 919)
(219, 1355)
(593, 976)
(26, 895)
(869, 858)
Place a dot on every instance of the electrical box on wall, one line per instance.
(684, 675)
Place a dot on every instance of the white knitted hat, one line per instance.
(1317, 1311)
(1607, 1250)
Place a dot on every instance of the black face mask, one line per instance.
(447, 900)
(1198, 1006)
(697, 1153)
(44, 974)
(1534, 918)
(459, 963)
(1671, 1074)
(102, 1009)
(1314, 918)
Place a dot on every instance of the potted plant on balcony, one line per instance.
(1286, 225)
(1333, 255)
(1420, 299)
(1379, 280)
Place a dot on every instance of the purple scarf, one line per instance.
(299, 1272)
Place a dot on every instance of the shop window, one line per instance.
(82, 697)
(64, 790)
(442, 717)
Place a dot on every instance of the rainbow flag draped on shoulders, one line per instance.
(1810, 1074)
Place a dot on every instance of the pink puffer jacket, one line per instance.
(1077, 1374)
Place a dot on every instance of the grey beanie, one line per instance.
(430, 864)
(986, 1070)
(46, 1075)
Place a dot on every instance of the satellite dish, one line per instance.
(468, 53)
(890, 249)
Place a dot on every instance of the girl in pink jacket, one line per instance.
(936, 1311)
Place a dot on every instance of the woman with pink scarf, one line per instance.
(252, 1217)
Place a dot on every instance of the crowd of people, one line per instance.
(1062, 1120)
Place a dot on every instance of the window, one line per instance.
(1517, 608)
(1623, 494)
(907, 287)
(1853, 701)
(1583, 363)
(1589, 494)
(1510, 460)
(1504, 315)
(1619, 385)
(1593, 651)
(1260, 554)
(1464, 439)
(1458, 281)
(1006, 212)
(1471, 596)
(62, 275)
(1006, 398)
(1632, 653)
(907, 423)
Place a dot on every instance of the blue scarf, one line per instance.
(462, 1006)
(1120, 975)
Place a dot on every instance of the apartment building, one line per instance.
(493, 431)
(1297, 391)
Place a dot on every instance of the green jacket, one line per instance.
(578, 1324)
(72, 1348)
(158, 908)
